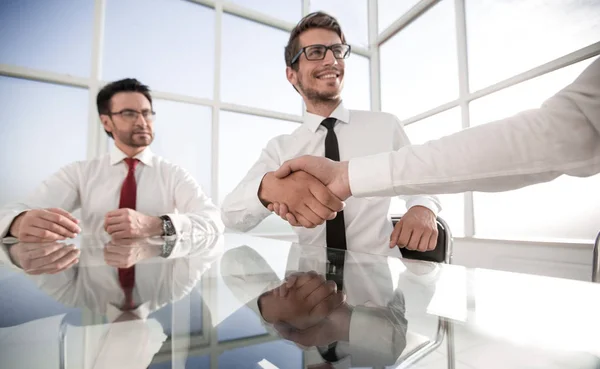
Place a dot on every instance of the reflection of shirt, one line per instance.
(95, 285)
(562, 137)
(94, 187)
(358, 133)
(130, 339)
(377, 324)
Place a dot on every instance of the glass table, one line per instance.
(218, 302)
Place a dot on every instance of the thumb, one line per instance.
(285, 169)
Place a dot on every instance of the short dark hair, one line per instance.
(111, 89)
(312, 20)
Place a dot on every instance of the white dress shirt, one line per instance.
(94, 186)
(359, 133)
(561, 137)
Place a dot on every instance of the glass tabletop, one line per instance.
(237, 301)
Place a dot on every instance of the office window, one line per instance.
(44, 127)
(509, 37)
(49, 35)
(241, 140)
(253, 67)
(357, 87)
(183, 136)
(352, 16)
(563, 208)
(289, 10)
(428, 129)
(390, 10)
(419, 65)
(168, 45)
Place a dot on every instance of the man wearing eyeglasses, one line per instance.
(315, 58)
(127, 193)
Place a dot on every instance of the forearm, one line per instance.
(561, 137)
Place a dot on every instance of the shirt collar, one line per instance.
(313, 121)
(117, 156)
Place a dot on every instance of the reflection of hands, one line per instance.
(308, 299)
(44, 258)
(336, 327)
(331, 173)
(44, 225)
(416, 230)
(126, 253)
(128, 223)
(310, 202)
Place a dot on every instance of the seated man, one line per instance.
(331, 130)
(129, 193)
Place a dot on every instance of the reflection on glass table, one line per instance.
(315, 308)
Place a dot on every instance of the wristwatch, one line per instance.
(167, 248)
(167, 225)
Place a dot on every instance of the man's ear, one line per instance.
(106, 123)
(292, 75)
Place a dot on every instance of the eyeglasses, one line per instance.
(318, 52)
(133, 115)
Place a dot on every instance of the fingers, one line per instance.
(404, 237)
(415, 240)
(62, 218)
(320, 294)
(304, 222)
(47, 261)
(307, 212)
(42, 250)
(65, 214)
(116, 228)
(56, 262)
(35, 234)
(292, 220)
(327, 305)
(52, 227)
(432, 240)
(277, 208)
(327, 199)
(395, 234)
(119, 235)
(288, 167)
(305, 289)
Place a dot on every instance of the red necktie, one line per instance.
(128, 200)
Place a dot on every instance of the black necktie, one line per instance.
(335, 229)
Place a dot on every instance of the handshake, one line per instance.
(306, 191)
(308, 310)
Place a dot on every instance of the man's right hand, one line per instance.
(44, 258)
(44, 225)
(312, 300)
(305, 197)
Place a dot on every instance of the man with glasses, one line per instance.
(315, 58)
(127, 193)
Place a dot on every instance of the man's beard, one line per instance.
(318, 97)
(128, 138)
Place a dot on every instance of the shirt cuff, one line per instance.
(424, 201)
(371, 176)
(6, 222)
(255, 206)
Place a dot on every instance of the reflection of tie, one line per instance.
(128, 200)
(335, 229)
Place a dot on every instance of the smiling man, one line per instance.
(128, 193)
(315, 59)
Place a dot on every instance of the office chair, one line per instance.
(596, 262)
(441, 254)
